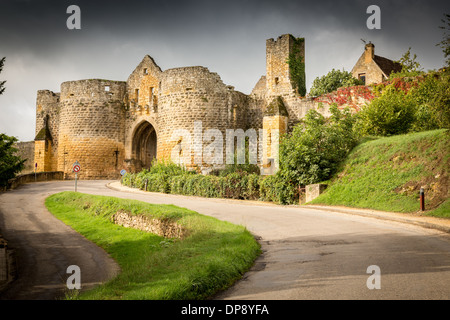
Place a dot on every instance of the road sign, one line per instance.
(76, 167)
(122, 172)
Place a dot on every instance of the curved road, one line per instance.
(307, 253)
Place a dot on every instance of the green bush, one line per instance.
(314, 149)
(390, 114)
(409, 104)
(332, 81)
(234, 185)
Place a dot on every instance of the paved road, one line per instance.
(307, 253)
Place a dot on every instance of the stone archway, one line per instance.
(144, 145)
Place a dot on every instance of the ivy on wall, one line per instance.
(296, 63)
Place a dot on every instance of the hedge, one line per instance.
(235, 185)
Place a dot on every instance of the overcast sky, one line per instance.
(227, 37)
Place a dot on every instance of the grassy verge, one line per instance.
(387, 174)
(213, 255)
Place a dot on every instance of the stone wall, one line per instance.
(143, 87)
(194, 94)
(32, 177)
(47, 124)
(25, 150)
(92, 126)
(163, 228)
(278, 79)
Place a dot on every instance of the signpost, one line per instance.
(76, 167)
(35, 169)
(122, 173)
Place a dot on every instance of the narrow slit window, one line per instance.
(136, 95)
(150, 96)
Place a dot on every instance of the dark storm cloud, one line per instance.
(228, 37)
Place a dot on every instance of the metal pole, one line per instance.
(422, 199)
(76, 176)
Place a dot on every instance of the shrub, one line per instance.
(389, 114)
(279, 190)
(314, 149)
(410, 104)
(332, 81)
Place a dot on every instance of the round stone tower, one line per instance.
(192, 100)
(91, 128)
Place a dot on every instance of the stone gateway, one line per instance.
(109, 126)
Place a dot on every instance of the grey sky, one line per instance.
(228, 37)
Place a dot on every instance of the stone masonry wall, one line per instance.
(26, 151)
(195, 94)
(47, 107)
(92, 120)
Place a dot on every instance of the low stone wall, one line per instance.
(162, 228)
(314, 190)
(31, 177)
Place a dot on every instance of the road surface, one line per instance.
(307, 253)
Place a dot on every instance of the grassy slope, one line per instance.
(387, 174)
(210, 258)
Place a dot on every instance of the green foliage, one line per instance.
(296, 63)
(170, 178)
(389, 114)
(279, 189)
(387, 174)
(10, 164)
(332, 81)
(410, 66)
(212, 255)
(310, 154)
(408, 105)
(445, 43)
(439, 101)
(2, 83)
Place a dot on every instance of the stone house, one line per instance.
(374, 69)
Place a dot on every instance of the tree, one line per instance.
(440, 101)
(410, 66)
(2, 83)
(332, 81)
(10, 164)
(445, 43)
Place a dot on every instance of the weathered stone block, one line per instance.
(314, 190)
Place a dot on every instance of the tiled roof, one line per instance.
(386, 65)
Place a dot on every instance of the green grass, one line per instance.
(387, 174)
(212, 257)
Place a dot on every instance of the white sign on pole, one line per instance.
(76, 167)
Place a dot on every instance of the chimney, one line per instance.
(370, 52)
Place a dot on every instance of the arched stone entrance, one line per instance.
(144, 146)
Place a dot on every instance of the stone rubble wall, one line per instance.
(164, 228)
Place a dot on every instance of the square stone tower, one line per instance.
(285, 64)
